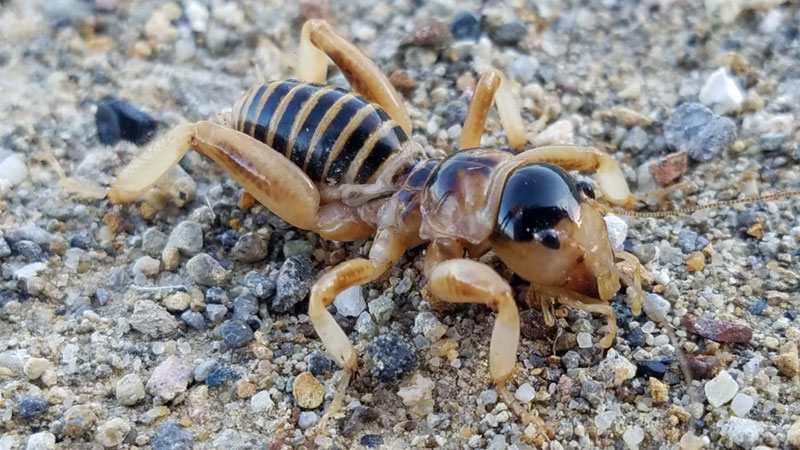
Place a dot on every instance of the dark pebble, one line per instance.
(218, 376)
(250, 247)
(466, 26)
(7, 295)
(455, 111)
(32, 407)
(571, 360)
(510, 33)
(235, 333)
(687, 240)
(318, 363)
(623, 313)
(372, 440)
(118, 280)
(636, 338)
(259, 285)
(294, 282)
(695, 129)
(718, 330)
(361, 415)
(253, 322)
(245, 306)
(758, 306)
(533, 326)
(228, 238)
(81, 241)
(215, 313)
(29, 250)
(393, 357)
(172, 436)
(216, 295)
(649, 369)
(746, 217)
(194, 319)
(704, 367)
(117, 120)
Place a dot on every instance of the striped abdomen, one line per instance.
(332, 134)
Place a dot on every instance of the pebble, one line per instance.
(633, 436)
(306, 419)
(13, 169)
(308, 392)
(525, 393)
(584, 340)
(466, 26)
(695, 262)
(43, 440)
(718, 330)
(194, 319)
(32, 407)
(5, 249)
(113, 432)
(793, 435)
(169, 379)
(153, 242)
(197, 13)
(250, 248)
(721, 92)
(658, 391)
(510, 33)
(742, 404)
(649, 369)
(216, 296)
(206, 270)
(350, 302)
(215, 313)
(29, 250)
(365, 326)
(721, 389)
(116, 119)
(318, 363)
(153, 320)
(130, 390)
(417, 393)
(655, 307)
(170, 258)
(244, 306)
(617, 230)
(79, 420)
(172, 436)
(236, 333)
(261, 402)
(430, 33)
(393, 357)
(605, 419)
(615, 369)
(787, 360)
(635, 140)
(402, 80)
(428, 325)
(772, 142)
(571, 360)
(204, 369)
(177, 302)
(667, 169)
(294, 282)
(743, 432)
(687, 240)
(218, 376)
(298, 247)
(593, 391)
(35, 367)
(689, 441)
(187, 237)
(697, 130)
(381, 309)
(560, 132)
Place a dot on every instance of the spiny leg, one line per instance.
(492, 86)
(609, 176)
(584, 303)
(269, 177)
(387, 248)
(636, 307)
(318, 39)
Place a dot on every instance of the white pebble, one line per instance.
(721, 92)
(584, 340)
(559, 133)
(197, 14)
(146, 266)
(525, 393)
(350, 302)
(261, 402)
(633, 436)
(13, 169)
(661, 340)
(617, 230)
(742, 404)
(721, 389)
(604, 420)
(306, 419)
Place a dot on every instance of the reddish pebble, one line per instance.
(429, 33)
(718, 330)
(533, 326)
(704, 367)
(669, 168)
(402, 81)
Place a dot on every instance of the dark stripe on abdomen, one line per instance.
(266, 113)
(333, 133)
(284, 127)
(378, 154)
(310, 124)
(354, 143)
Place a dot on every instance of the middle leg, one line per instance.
(492, 86)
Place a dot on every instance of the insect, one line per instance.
(341, 164)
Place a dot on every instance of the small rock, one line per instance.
(667, 169)
(116, 119)
(5, 249)
(417, 393)
(216, 296)
(656, 307)
(318, 363)
(615, 369)
(215, 313)
(466, 26)
(787, 360)
(560, 132)
(772, 142)
(721, 92)
(153, 320)
(633, 437)
(194, 319)
(698, 131)
(381, 309)
(533, 326)
(258, 285)
(525, 393)
(170, 258)
(206, 270)
(658, 391)
(510, 33)
(617, 230)
(236, 333)
(793, 435)
(695, 262)
(743, 432)
(13, 169)
(204, 369)
(218, 376)
(402, 81)
(686, 240)
(308, 392)
(261, 402)
(43, 440)
(593, 391)
(130, 389)
(371, 440)
(177, 302)
(364, 325)
(350, 302)
(35, 367)
(197, 13)
(250, 248)
(571, 360)
(429, 33)
(29, 250)
(393, 357)
(717, 330)
(187, 237)
(298, 247)
(294, 282)
(244, 306)
(169, 379)
(428, 325)
(605, 419)
(721, 389)
(704, 367)
(649, 369)
(584, 340)
(79, 420)
(172, 436)
(742, 404)
(113, 432)
(306, 419)
(32, 407)
(153, 242)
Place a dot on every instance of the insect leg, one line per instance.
(387, 248)
(492, 86)
(584, 303)
(319, 39)
(609, 176)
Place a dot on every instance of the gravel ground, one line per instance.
(179, 321)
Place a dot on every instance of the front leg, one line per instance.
(492, 86)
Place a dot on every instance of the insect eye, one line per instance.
(549, 239)
(586, 188)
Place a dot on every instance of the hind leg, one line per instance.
(492, 86)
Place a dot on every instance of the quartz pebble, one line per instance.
(633, 436)
(306, 419)
(525, 393)
(350, 302)
(604, 420)
(743, 432)
(584, 340)
(615, 369)
(261, 402)
(742, 404)
(43, 440)
(721, 389)
(721, 92)
(113, 432)
(13, 169)
(416, 393)
(617, 230)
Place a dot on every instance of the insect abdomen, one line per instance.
(332, 134)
